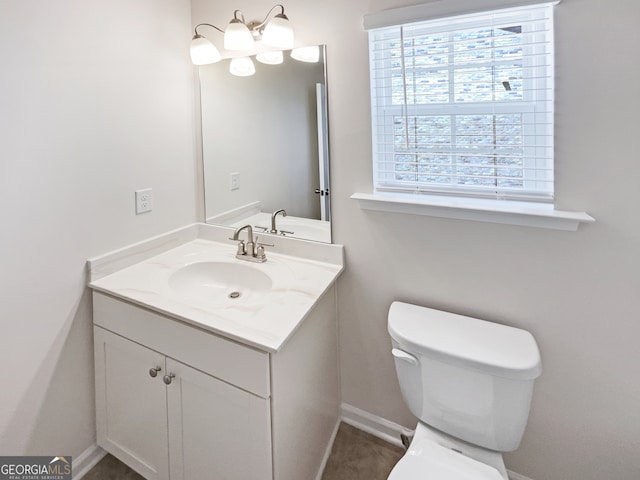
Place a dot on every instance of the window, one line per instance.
(464, 105)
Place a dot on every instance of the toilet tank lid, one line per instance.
(465, 341)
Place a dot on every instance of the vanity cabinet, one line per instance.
(166, 418)
(176, 402)
(130, 402)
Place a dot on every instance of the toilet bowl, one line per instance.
(432, 455)
(470, 384)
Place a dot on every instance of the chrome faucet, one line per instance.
(251, 251)
(273, 220)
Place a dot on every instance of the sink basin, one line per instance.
(200, 282)
(220, 281)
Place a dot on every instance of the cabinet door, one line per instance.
(131, 405)
(216, 431)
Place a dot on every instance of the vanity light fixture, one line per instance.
(203, 52)
(278, 32)
(274, 57)
(240, 38)
(306, 54)
(242, 67)
(237, 36)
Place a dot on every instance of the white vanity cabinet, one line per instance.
(181, 403)
(130, 403)
(170, 419)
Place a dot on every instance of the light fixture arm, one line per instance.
(235, 16)
(256, 28)
(195, 30)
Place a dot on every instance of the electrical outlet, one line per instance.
(144, 201)
(234, 181)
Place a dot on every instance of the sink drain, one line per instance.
(234, 294)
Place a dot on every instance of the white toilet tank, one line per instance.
(469, 378)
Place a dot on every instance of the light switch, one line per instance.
(234, 181)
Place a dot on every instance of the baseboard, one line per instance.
(86, 461)
(386, 430)
(327, 452)
(372, 424)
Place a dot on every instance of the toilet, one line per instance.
(470, 383)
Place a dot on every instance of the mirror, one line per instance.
(265, 147)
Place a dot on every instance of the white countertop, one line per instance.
(264, 320)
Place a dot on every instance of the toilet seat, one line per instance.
(426, 460)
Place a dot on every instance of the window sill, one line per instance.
(493, 211)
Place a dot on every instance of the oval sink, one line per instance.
(217, 281)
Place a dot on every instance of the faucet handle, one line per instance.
(261, 244)
(260, 255)
(241, 246)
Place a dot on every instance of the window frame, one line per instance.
(528, 107)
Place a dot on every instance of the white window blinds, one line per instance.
(464, 105)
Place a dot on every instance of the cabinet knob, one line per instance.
(153, 372)
(167, 378)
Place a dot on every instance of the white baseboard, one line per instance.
(327, 452)
(370, 423)
(386, 430)
(86, 461)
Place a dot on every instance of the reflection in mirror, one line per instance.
(265, 147)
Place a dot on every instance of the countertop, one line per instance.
(262, 320)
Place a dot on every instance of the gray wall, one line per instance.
(96, 101)
(576, 292)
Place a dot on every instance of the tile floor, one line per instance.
(356, 455)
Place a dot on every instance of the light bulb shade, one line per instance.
(270, 58)
(237, 36)
(278, 33)
(306, 54)
(203, 52)
(242, 67)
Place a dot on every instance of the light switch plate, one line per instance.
(234, 181)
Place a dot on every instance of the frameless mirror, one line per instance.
(265, 147)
